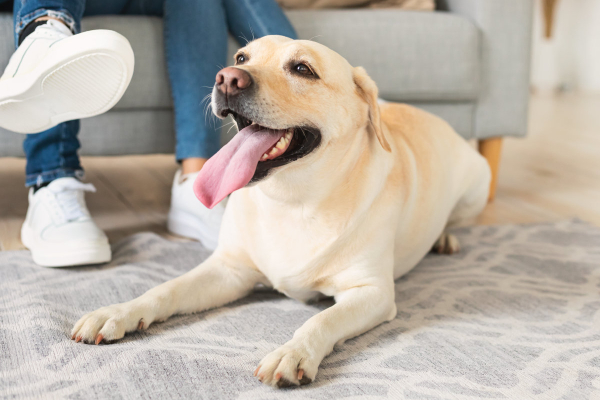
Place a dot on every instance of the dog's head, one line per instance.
(292, 100)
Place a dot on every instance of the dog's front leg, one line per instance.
(217, 281)
(357, 310)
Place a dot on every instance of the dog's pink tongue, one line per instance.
(234, 165)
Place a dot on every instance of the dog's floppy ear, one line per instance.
(367, 90)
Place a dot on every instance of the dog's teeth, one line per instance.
(264, 157)
(273, 151)
(281, 144)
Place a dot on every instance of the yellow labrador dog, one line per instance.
(338, 197)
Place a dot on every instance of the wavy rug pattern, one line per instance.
(515, 315)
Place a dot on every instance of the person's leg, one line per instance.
(187, 43)
(186, 72)
(252, 19)
(54, 77)
(196, 48)
(27, 11)
(50, 154)
(106, 7)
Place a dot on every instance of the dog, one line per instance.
(333, 195)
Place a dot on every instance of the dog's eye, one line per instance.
(240, 59)
(303, 69)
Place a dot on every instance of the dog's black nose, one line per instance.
(232, 81)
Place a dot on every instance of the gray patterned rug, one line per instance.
(515, 315)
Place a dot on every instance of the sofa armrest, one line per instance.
(506, 28)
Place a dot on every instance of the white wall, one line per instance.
(571, 59)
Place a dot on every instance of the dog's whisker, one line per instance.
(253, 38)
(228, 130)
(208, 97)
(209, 114)
(243, 37)
(207, 106)
(229, 124)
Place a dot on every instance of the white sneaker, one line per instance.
(55, 76)
(59, 230)
(190, 218)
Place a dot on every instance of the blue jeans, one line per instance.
(196, 48)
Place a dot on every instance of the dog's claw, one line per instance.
(78, 339)
(141, 324)
(99, 338)
(256, 370)
(446, 244)
(300, 374)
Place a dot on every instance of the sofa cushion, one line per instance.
(7, 44)
(314, 4)
(413, 56)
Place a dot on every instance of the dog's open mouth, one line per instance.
(250, 156)
(294, 143)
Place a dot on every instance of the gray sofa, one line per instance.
(468, 63)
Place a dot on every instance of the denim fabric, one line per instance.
(196, 48)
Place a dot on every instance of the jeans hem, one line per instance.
(196, 154)
(25, 20)
(49, 176)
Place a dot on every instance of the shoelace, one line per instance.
(53, 29)
(69, 199)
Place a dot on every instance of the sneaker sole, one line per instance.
(184, 224)
(70, 256)
(86, 78)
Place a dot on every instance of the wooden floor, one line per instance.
(551, 175)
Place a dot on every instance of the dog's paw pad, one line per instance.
(446, 244)
(283, 383)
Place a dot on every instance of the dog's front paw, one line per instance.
(289, 365)
(446, 244)
(108, 324)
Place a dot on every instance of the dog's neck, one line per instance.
(323, 183)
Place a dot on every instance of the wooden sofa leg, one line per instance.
(491, 148)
